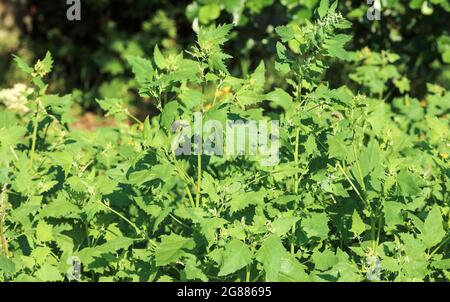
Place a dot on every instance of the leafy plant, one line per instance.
(360, 191)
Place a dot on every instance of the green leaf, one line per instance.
(446, 56)
(23, 65)
(358, 225)
(236, 256)
(270, 255)
(316, 225)
(441, 264)
(291, 270)
(337, 147)
(310, 144)
(242, 200)
(193, 270)
(333, 7)
(280, 98)
(248, 97)
(433, 231)
(213, 35)
(64, 160)
(7, 266)
(324, 260)
(44, 231)
(282, 225)
(47, 63)
(208, 13)
(408, 183)
(171, 248)
(60, 105)
(393, 214)
(323, 8)
(142, 69)
(258, 78)
(169, 115)
(112, 106)
(49, 273)
(115, 244)
(58, 208)
(285, 32)
(285, 199)
(11, 136)
(106, 185)
(370, 158)
(191, 98)
(335, 46)
(159, 58)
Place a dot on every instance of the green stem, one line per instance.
(297, 137)
(136, 229)
(293, 239)
(3, 206)
(134, 118)
(296, 162)
(439, 246)
(35, 132)
(352, 184)
(199, 153)
(299, 88)
(363, 185)
(186, 180)
(188, 192)
(380, 226)
(179, 221)
(247, 274)
(215, 93)
(199, 178)
(373, 231)
(86, 229)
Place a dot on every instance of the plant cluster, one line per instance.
(361, 191)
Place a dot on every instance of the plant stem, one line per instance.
(215, 93)
(293, 239)
(136, 229)
(3, 205)
(373, 231)
(35, 132)
(297, 137)
(247, 274)
(440, 245)
(134, 118)
(380, 226)
(296, 150)
(363, 185)
(199, 178)
(188, 192)
(199, 152)
(352, 184)
(186, 180)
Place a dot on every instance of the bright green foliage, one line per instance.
(358, 178)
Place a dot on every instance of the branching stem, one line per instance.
(3, 207)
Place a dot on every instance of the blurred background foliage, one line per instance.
(402, 52)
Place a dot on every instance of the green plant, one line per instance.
(360, 183)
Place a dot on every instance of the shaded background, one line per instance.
(89, 54)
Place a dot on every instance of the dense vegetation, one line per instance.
(360, 192)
